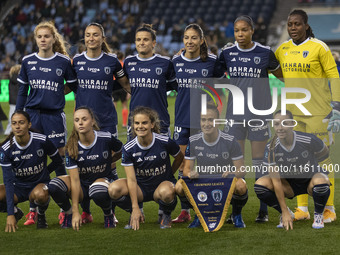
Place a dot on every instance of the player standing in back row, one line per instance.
(308, 63)
(149, 75)
(192, 67)
(247, 63)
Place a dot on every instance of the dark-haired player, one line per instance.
(95, 69)
(23, 158)
(192, 67)
(248, 63)
(308, 63)
(150, 76)
(227, 153)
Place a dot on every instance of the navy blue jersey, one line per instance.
(95, 85)
(191, 74)
(94, 161)
(213, 158)
(148, 80)
(245, 67)
(299, 161)
(25, 167)
(152, 164)
(45, 77)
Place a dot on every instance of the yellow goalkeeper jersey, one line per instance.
(310, 65)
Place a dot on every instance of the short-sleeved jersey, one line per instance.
(308, 65)
(248, 68)
(45, 77)
(25, 167)
(217, 155)
(148, 79)
(191, 74)
(94, 161)
(299, 161)
(152, 164)
(95, 85)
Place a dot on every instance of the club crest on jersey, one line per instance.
(225, 155)
(205, 72)
(105, 154)
(59, 72)
(257, 60)
(2, 156)
(40, 152)
(202, 196)
(217, 195)
(159, 70)
(305, 53)
(304, 154)
(107, 70)
(163, 154)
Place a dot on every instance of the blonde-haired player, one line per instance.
(308, 63)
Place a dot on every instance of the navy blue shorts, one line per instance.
(182, 134)
(85, 185)
(50, 123)
(299, 187)
(23, 194)
(258, 131)
(112, 129)
(149, 189)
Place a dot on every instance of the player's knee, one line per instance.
(115, 190)
(241, 187)
(167, 194)
(179, 189)
(320, 178)
(98, 191)
(263, 181)
(40, 196)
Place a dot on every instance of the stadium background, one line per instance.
(120, 19)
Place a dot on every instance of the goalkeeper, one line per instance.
(308, 63)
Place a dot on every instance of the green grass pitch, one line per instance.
(94, 239)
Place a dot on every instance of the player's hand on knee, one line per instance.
(193, 175)
(11, 224)
(76, 221)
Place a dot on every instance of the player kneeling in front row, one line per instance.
(23, 158)
(148, 170)
(227, 151)
(88, 160)
(292, 159)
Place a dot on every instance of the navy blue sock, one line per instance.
(3, 207)
(186, 201)
(257, 162)
(124, 202)
(320, 195)
(167, 208)
(43, 207)
(32, 206)
(100, 195)
(85, 205)
(185, 204)
(267, 196)
(58, 191)
(238, 201)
